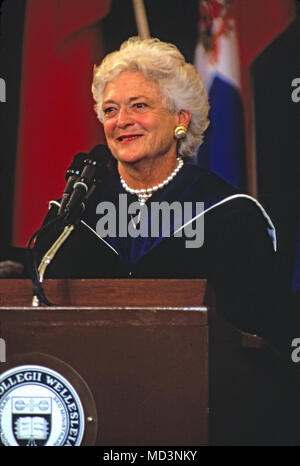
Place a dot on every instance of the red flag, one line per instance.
(258, 24)
(62, 42)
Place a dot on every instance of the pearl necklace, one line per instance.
(144, 194)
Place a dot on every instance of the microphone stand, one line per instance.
(48, 257)
(70, 218)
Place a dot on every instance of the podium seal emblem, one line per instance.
(39, 407)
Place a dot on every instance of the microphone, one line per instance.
(95, 167)
(72, 174)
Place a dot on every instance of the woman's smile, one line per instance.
(124, 139)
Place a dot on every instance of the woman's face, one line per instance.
(136, 124)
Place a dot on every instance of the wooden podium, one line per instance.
(154, 363)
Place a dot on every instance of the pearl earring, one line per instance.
(180, 132)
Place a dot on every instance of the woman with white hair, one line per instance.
(154, 110)
(178, 84)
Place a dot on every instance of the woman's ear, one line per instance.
(184, 118)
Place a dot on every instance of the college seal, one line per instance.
(39, 407)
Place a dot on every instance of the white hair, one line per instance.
(178, 81)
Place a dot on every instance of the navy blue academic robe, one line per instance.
(237, 256)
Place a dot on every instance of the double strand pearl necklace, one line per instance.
(144, 194)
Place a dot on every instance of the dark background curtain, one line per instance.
(12, 22)
(277, 135)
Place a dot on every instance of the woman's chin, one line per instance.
(129, 157)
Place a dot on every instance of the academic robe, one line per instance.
(237, 257)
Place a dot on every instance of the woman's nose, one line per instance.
(124, 117)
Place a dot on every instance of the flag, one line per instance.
(62, 42)
(217, 60)
(232, 33)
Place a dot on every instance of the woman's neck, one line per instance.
(146, 174)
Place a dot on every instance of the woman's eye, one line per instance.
(140, 105)
(108, 110)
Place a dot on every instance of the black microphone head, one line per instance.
(94, 167)
(100, 155)
(76, 165)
